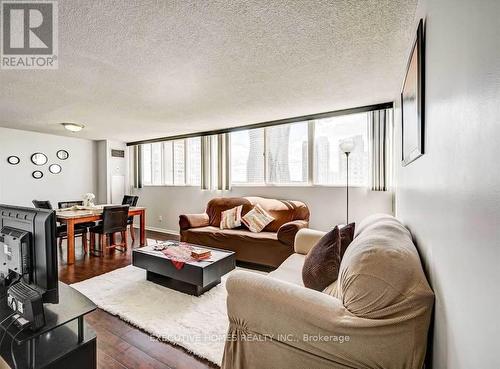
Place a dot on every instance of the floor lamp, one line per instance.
(347, 147)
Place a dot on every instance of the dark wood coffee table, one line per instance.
(195, 277)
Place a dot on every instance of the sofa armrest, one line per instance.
(291, 314)
(287, 232)
(187, 221)
(305, 239)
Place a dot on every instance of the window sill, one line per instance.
(164, 185)
(239, 185)
(298, 185)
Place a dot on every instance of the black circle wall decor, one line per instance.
(39, 158)
(55, 169)
(37, 174)
(62, 155)
(13, 160)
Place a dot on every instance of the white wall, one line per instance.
(450, 197)
(102, 172)
(327, 204)
(108, 167)
(78, 174)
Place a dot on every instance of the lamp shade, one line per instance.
(73, 127)
(347, 146)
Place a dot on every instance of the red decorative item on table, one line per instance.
(179, 253)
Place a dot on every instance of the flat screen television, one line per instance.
(28, 248)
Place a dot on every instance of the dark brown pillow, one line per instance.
(321, 267)
(346, 237)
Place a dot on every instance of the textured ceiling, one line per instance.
(133, 70)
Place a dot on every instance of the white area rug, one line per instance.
(199, 324)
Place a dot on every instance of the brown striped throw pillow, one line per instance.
(257, 219)
(231, 218)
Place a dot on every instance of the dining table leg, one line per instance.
(142, 219)
(71, 241)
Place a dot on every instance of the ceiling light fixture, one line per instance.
(73, 127)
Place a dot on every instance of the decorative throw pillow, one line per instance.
(231, 218)
(322, 264)
(346, 237)
(257, 219)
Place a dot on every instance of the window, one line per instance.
(287, 153)
(168, 163)
(174, 163)
(329, 161)
(274, 155)
(179, 162)
(146, 164)
(193, 162)
(281, 154)
(247, 156)
(300, 153)
(156, 164)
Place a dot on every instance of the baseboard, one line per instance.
(159, 230)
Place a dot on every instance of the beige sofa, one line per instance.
(376, 315)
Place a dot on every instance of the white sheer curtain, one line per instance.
(379, 133)
(223, 162)
(215, 162)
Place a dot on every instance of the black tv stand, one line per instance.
(65, 341)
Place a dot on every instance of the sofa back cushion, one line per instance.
(283, 211)
(217, 205)
(380, 274)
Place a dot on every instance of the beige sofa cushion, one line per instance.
(290, 270)
(242, 234)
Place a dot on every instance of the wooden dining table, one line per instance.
(71, 217)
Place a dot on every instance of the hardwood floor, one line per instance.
(120, 345)
(86, 266)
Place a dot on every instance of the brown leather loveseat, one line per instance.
(269, 247)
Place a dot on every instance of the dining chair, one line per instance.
(62, 230)
(42, 204)
(69, 204)
(114, 220)
(131, 201)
